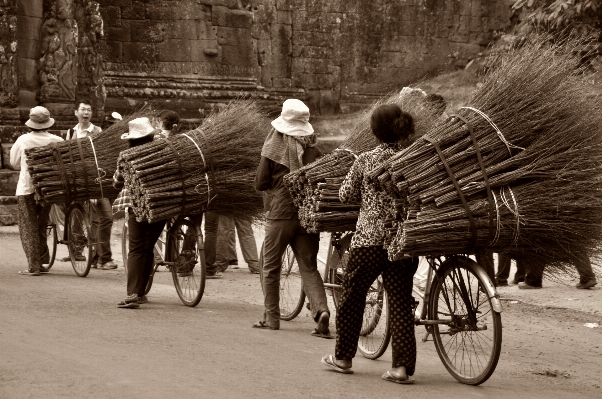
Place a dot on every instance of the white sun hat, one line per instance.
(39, 118)
(294, 119)
(139, 127)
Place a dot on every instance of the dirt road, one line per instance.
(62, 336)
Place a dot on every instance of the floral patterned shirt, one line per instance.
(376, 206)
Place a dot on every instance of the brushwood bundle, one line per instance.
(79, 169)
(314, 187)
(212, 166)
(518, 170)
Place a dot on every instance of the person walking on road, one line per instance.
(288, 146)
(229, 228)
(33, 217)
(368, 258)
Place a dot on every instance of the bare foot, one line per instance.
(399, 373)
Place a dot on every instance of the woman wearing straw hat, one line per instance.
(33, 218)
(143, 235)
(368, 258)
(288, 146)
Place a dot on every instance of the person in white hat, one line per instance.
(288, 146)
(143, 235)
(33, 218)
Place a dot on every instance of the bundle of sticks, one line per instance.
(79, 169)
(314, 187)
(211, 167)
(518, 170)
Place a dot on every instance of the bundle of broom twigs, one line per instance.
(79, 169)
(314, 187)
(211, 167)
(529, 179)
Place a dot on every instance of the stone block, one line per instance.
(30, 8)
(191, 9)
(28, 48)
(234, 37)
(117, 3)
(140, 52)
(111, 16)
(28, 27)
(9, 214)
(5, 176)
(148, 31)
(281, 39)
(312, 39)
(119, 33)
(136, 11)
(311, 52)
(174, 50)
(205, 31)
(226, 3)
(112, 51)
(182, 29)
(163, 12)
(285, 17)
(204, 51)
(284, 83)
(28, 73)
(291, 4)
(327, 103)
(223, 16)
(391, 58)
(264, 52)
(235, 55)
(312, 81)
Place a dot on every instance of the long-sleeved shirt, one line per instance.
(18, 158)
(277, 200)
(376, 206)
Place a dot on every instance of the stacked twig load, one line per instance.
(527, 181)
(212, 166)
(314, 187)
(79, 169)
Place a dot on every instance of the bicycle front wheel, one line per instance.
(375, 333)
(185, 249)
(292, 296)
(79, 238)
(469, 344)
(51, 241)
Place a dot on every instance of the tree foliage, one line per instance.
(561, 15)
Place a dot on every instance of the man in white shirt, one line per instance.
(33, 218)
(103, 259)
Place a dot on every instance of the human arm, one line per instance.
(351, 188)
(263, 178)
(15, 155)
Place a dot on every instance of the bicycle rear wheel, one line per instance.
(292, 296)
(185, 249)
(79, 240)
(375, 333)
(469, 345)
(51, 241)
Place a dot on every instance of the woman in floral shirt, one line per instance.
(368, 258)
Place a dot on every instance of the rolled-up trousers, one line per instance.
(33, 221)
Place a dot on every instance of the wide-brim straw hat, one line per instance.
(138, 128)
(39, 118)
(294, 119)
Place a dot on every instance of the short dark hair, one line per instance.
(169, 118)
(390, 124)
(436, 102)
(82, 101)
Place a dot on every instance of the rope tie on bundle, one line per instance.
(204, 167)
(85, 169)
(101, 173)
(182, 179)
(497, 130)
(513, 211)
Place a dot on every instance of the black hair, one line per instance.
(140, 141)
(390, 124)
(169, 118)
(82, 101)
(437, 102)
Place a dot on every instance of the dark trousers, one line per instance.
(534, 274)
(33, 221)
(279, 233)
(211, 225)
(503, 269)
(101, 230)
(142, 237)
(365, 265)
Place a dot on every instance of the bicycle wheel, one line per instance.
(469, 344)
(338, 258)
(79, 238)
(185, 249)
(375, 333)
(125, 244)
(292, 296)
(51, 241)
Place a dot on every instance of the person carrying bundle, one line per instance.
(288, 146)
(33, 218)
(368, 258)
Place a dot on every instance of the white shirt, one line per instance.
(79, 133)
(18, 158)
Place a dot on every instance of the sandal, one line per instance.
(326, 335)
(29, 272)
(388, 377)
(263, 324)
(330, 361)
(130, 302)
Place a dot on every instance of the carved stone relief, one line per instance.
(9, 80)
(90, 73)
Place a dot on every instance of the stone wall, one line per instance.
(332, 53)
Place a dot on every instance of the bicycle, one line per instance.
(181, 249)
(461, 310)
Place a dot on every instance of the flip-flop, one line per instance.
(29, 273)
(263, 324)
(329, 361)
(326, 335)
(406, 381)
(128, 305)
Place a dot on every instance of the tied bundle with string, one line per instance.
(79, 169)
(314, 187)
(210, 167)
(517, 170)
